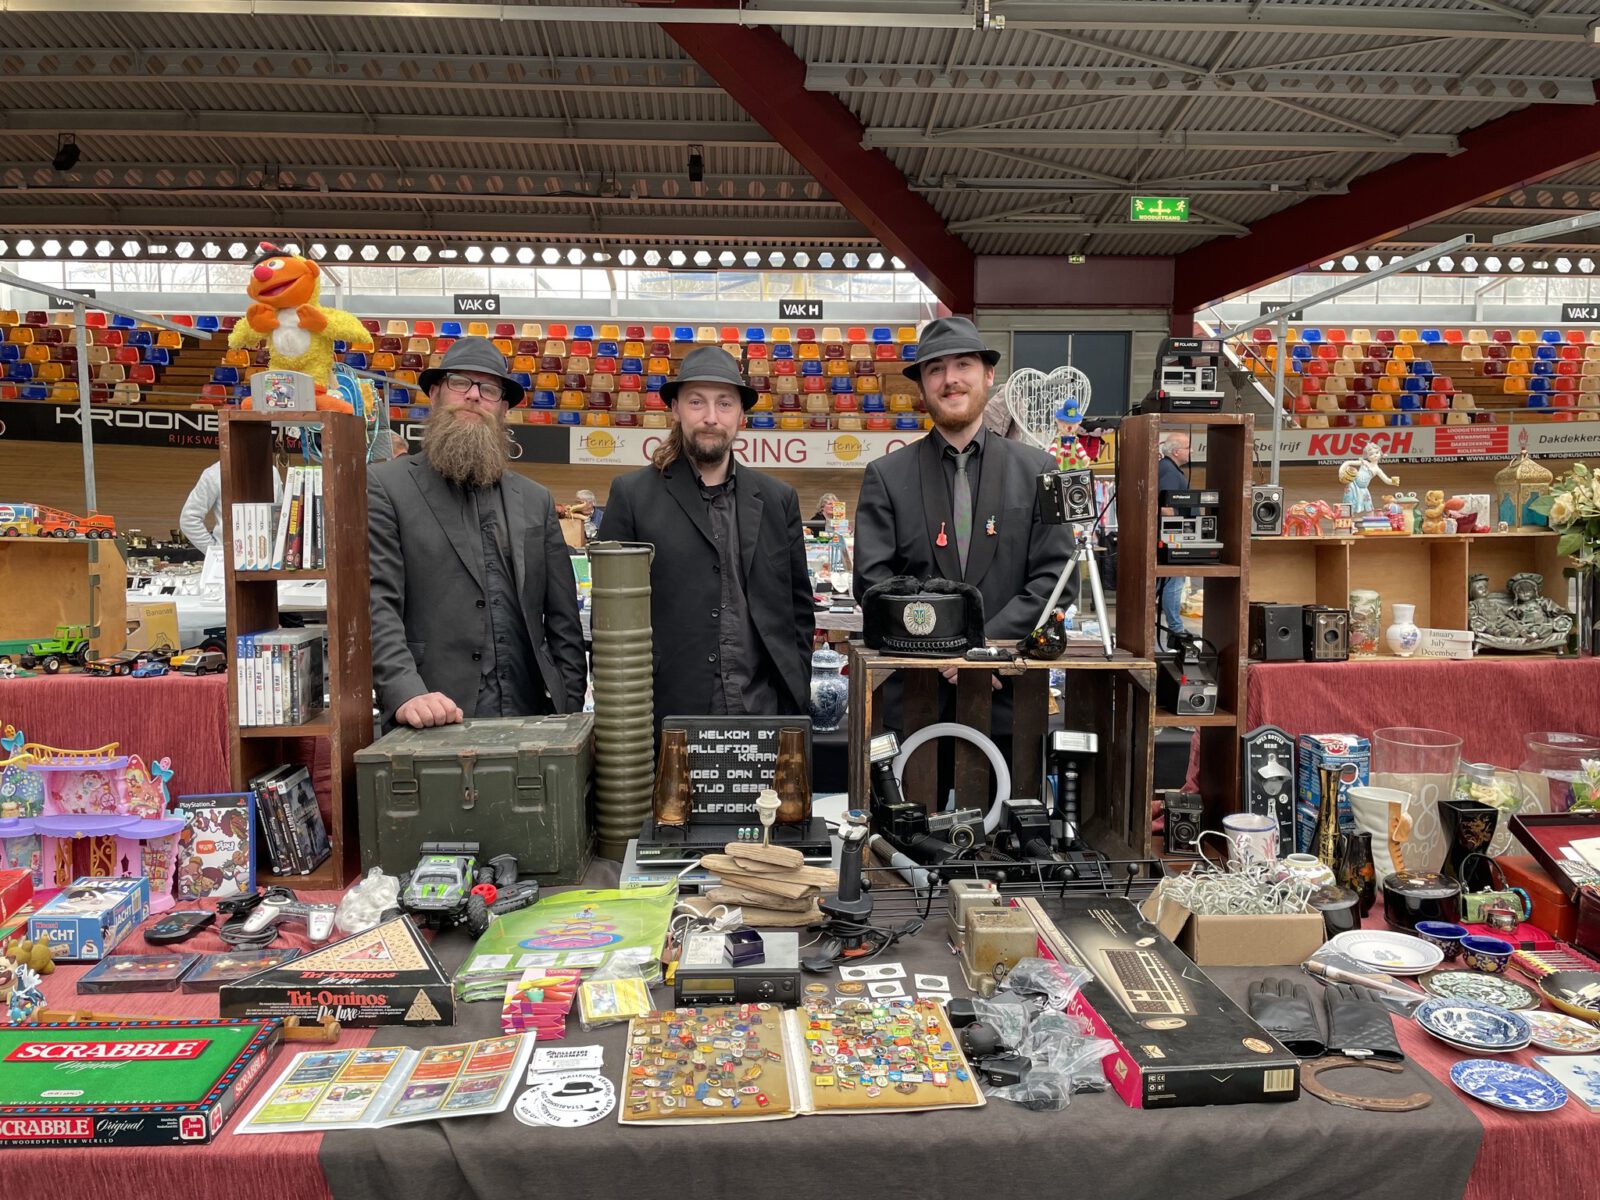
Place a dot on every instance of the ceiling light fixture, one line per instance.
(697, 164)
(67, 152)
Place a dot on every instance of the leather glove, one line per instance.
(1283, 1008)
(1359, 1025)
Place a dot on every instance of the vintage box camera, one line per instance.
(1066, 497)
(1184, 811)
(1194, 537)
(1277, 632)
(1266, 510)
(1327, 633)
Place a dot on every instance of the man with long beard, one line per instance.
(730, 598)
(474, 601)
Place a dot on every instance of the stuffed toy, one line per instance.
(284, 316)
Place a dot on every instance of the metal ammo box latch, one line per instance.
(530, 783)
(403, 799)
(469, 787)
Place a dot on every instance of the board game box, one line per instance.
(386, 975)
(84, 921)
(135, 1083)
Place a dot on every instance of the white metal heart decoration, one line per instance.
(1033, 399)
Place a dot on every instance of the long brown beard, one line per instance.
(469, 450)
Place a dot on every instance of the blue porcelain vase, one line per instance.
(830, 690)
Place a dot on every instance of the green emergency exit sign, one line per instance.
(1158, 208)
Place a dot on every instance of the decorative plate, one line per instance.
(1508, 1085)
(1474, 1025)
(1557, 1031)
(1475, 985)
(1394, 953)
(1576, 993)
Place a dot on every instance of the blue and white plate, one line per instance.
(1474, 1024)
(1508, 1085)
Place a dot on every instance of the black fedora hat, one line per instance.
(473, 354)
(709, 364)
(949, 335)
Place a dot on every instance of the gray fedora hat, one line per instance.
(948, 335)
(473, 354)
(709, 364)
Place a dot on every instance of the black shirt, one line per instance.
(510, 684)
(742, 684)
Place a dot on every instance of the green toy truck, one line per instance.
(69, 645)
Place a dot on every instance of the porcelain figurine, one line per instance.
(1357, 475)
(1304, 518)
(1519, 619)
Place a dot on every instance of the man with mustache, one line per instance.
(474, 601)
(730, 597)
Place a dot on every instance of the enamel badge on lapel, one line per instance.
(941, 540)
(988, 527)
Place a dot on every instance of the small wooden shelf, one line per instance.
(1357, 539)
(1198, 571)
(55, 541)
(1166, 720)
(1169, 420)
(273, 576)
(318, 727)
(323, 879)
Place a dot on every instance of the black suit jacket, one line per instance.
(665, 508)
(428, 602)
(905, 499)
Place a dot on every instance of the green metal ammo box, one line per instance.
(515, 785)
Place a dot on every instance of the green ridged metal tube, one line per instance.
(624, 691)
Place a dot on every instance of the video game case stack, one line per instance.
(281, 676)
(299, 543)
(292, 828)
(252, 536)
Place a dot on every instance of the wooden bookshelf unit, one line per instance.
(252, 598)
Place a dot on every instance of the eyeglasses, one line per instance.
(487, 388)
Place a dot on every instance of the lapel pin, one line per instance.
(988, 527)
(941, 540)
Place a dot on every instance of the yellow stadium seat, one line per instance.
(1521, 353)
(610, 333)
(505, 346)
(8, 316)
(478, 329)
(36, 354)
(1401, 352)
(169, 340)
(632, 349)
(778, 333)
(21, 335)
(573, 399)
(50, 372)
(905, 335)
(808, 351)
(64, 392)
(1408, 336)
(1527, 337)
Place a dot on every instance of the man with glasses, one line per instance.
(730, 597)
(474, 602)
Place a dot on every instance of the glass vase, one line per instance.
(1422, 763)
(1552, 762)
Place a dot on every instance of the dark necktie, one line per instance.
(962, 500)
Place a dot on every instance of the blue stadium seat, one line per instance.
(1432, 337)
(782, 350)
(756, 334)
(118, 321)
(356, 359)
(450, 329)
(570, 416)
(141, 338)
(683, 333)
(1311, 337)
(763, 421)
(583, 333)
(882, 334)
(35, 391)
(544, 399)
(907, 423)
(225, 375)
(874, 403)
(207, 324)
(157, 356)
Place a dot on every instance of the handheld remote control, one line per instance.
(178, 926)
(281, 904)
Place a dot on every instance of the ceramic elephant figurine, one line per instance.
(1304, 518)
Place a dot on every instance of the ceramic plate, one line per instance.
(1394, 953)
(1576, 993)
(1508, 1085)
(1475, 985)
(1474, 1025)
(1557, 1031)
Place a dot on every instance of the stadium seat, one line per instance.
(1311, 336)
(206, 324)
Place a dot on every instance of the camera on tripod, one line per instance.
(1193, 536)
(1066, 497)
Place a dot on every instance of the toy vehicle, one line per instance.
(55, 523)
(70, 645)
(14, 652)
(200, 662)
(448, 887)
(17, 520)
(150, 669)
(114, 664)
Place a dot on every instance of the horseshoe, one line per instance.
(1309, 1081)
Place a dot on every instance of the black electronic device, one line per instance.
(1186, 683)
(1193, 534)
(1066, 497)
(927, 838)
(1277, 632)
(1184, 812)
(1267, 778)
(704, 974)
(1067, 763)
(178, 926)
(668, 846)
(1266, 510)
(1188, 376)
(1327, 633)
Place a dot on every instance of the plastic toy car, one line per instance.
(114, 664)
(150, 670)
(200, 662)
(448, 887)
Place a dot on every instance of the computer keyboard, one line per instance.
(1147, 986)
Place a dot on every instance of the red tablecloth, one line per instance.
(1490, 703)
(181, 717)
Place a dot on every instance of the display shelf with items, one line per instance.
(345, 725)
(1230, 445)
(53, 582)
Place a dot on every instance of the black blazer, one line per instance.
(904, 499)
(665, 508)
(428, 600)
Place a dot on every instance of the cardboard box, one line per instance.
(1181, 1041)
(16, 890)
(153, 624)
(1351, 755)
(1218, 941)
(84, 922)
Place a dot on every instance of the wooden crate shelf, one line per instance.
(252, 601)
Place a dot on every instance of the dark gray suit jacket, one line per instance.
(428, 602)
(905, 499)
(665, 508)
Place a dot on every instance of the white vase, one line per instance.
(1382, 812)
(1403, 636)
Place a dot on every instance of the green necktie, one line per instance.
(962, 499)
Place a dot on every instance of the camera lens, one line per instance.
(961, 837)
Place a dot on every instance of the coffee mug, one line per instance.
(1253, 837)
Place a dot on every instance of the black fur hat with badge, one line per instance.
(922, 618)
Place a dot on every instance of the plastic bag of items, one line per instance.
(1063, 1052)
(363, 907)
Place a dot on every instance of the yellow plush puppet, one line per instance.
(284, 316)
